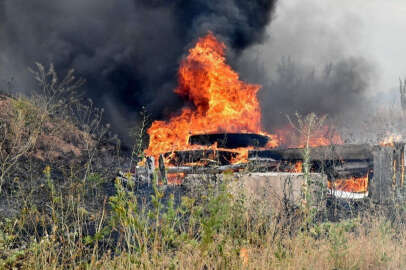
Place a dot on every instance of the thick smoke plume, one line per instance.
(128, 50)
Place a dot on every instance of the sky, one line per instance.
(319, 31)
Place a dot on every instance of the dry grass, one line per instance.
(63, 219)
(375, 249)
(215, 233)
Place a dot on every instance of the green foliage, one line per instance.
(216, 216)
(153, 227)
(208, 224)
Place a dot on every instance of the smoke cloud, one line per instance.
(129, 51)
(313, 62)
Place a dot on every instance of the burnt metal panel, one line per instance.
(331, 152)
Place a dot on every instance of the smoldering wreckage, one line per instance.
(222, 136)
(220, 132)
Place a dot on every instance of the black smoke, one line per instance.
(128, 50)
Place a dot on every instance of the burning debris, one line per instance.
(221, 103)
(224, 113)
(221, 132)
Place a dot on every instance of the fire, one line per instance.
(352, 184)
(325, 136)
(298, 167)
(221, 101)
(390, 140)
(320, 137)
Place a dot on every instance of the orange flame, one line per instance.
(222, 102)
(352, 184)
(321, 137)
(390, 140)
(325, 136)
(298, 167)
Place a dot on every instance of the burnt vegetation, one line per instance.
(63, 206)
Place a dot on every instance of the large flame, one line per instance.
(221, 101)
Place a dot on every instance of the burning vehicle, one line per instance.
(221, 131)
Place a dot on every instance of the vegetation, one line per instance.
(60, 207)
